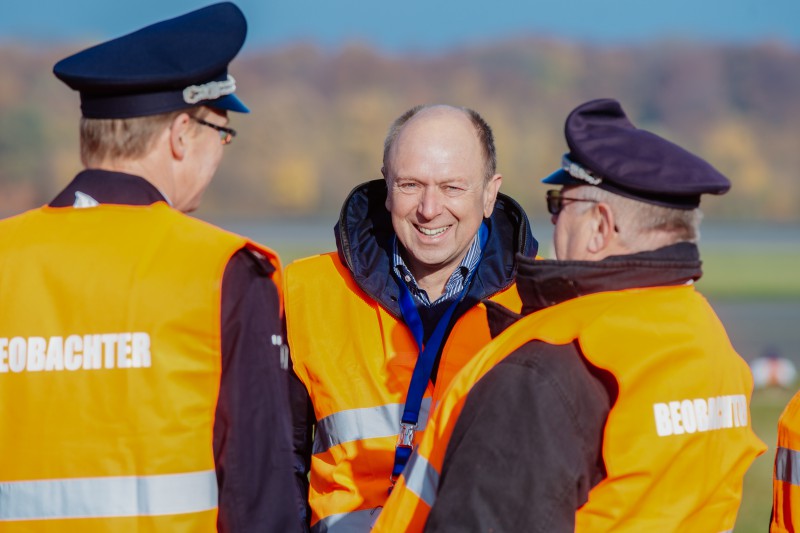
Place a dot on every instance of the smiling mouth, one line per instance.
(432, 232)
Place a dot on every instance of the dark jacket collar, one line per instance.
(545, 283)
(109, 187)
(364, 241)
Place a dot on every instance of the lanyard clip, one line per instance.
(406, 437)
(405, 445)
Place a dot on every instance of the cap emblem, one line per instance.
(209, 91)
(576, 171)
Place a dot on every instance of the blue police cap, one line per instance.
(171, 65)
(607, 151)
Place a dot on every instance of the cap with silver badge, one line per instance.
(607, 151)
(170, 65)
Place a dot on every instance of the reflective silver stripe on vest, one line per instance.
(787, 466)
(421, 478)
(108, 496)
(352, 522)
(364, 423)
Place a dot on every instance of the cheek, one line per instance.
(474, 208)
(219, 153)
(399, 205)
(560, 240)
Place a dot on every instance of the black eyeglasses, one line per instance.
(556, 202)
(226, 135)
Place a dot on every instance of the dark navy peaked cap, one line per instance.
(607, 151)
(171, 65)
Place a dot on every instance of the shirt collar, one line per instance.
(454, 285)
(109, 187)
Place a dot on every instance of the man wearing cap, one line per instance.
(378, 330)
(615, 401)
(140, 349)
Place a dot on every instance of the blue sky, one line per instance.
(418, 25)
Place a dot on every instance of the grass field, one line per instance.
(757, 273)
(744, 272)
(754, 514)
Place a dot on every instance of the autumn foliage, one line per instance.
(319, 117)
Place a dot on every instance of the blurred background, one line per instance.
(325, 79)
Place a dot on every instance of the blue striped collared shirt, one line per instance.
(454, 285)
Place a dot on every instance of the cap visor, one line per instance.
(562, 177)
(229, 102)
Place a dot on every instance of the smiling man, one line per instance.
(379, 329)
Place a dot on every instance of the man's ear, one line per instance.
(178, 135)
(388, 202)
(603, 232)
(492, 188)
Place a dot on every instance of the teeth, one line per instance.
(432, 232)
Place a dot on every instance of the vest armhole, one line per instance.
(257, 261)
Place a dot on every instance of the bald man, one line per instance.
(379, 328)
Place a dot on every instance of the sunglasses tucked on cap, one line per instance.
(175, 64)
(607, 151)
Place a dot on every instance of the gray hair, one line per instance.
(645, 226)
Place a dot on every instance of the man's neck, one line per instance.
(432, 283)
(156, 165)
(149, 168)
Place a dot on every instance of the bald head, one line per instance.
(432, 120)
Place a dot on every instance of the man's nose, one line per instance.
(430, 204)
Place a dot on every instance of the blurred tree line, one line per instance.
(319, 117)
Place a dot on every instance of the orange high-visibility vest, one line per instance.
(356, 361)
(684, 395)
(786, 474)
(110, 363)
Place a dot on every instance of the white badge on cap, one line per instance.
(576, 171)
(209, 91)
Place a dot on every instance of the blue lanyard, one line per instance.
(425, 361)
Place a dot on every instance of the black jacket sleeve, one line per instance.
(252, 429)
(303, 421)
(526, 449)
